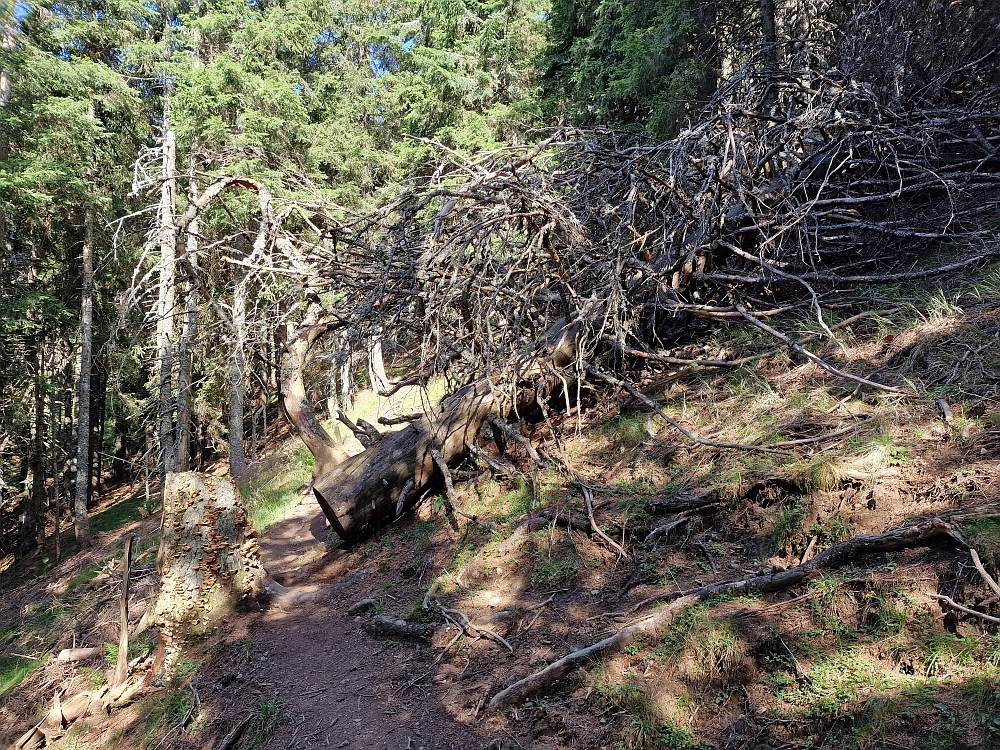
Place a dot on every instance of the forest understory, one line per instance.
(403, 640)
(477, 374)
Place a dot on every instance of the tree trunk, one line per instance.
(770, 50)
(361, 494)
(33, 528)
(293, 397)
(208, 559)
(189, 332)
(81, 521)
(166, 299)
(98, 401)
(237, 456)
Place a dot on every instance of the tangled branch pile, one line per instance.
(795, 185)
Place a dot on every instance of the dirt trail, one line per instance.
(340, 686)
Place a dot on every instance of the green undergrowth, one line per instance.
(13, 670)
(127, 511)
(268, 499)
(644, 726)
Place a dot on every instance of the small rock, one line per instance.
(595, 592)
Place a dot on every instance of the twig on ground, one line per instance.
(813, 358)
(952, 603)
(450, 492)
(991, 582)
(865, 544)
(636, 393)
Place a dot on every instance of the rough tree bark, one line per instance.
(166, 239)
(83, 422)
(237, 455)
(362, 493)
(189, 331)
(208, 559)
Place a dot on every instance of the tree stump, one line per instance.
(209, 560)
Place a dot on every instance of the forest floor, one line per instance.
(861, 656)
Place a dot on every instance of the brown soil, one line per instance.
(338, 685)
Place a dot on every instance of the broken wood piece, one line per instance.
(121, 668)
(402, 495)
(838, 554)
(79, 654)
(401, 419)
(991, 582)
(452, 498)
(382, 625)
(665, 529)
(945, 410)
(517, 437)
(362, 606)
(496, 466)
(532, 684)
(952, 603)
(588, 498)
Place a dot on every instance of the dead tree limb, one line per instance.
(636, 393)
(902, 538)
(813, 358)
(121, 668)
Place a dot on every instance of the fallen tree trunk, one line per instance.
(864, 544)
(362, 494)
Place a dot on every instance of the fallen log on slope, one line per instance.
(362, 494)
(863, 544)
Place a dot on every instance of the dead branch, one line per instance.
(813, 358)
(990, 581)
(121, 669)
(952, 603)
(902, 538)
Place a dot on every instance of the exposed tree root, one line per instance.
(864, 544)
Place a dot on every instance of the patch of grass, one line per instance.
(941, 651)
(838, 680)
(552, 571)
(170, 709)
(86, 575)
(268, 715)
(673, 737)
(94, 676)
(644, 725)
(269, 501)
(707, 650)
(629, 427)
(788, 525)
(983, 692)
(13, 670)
(123, 513)
(882, 615)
